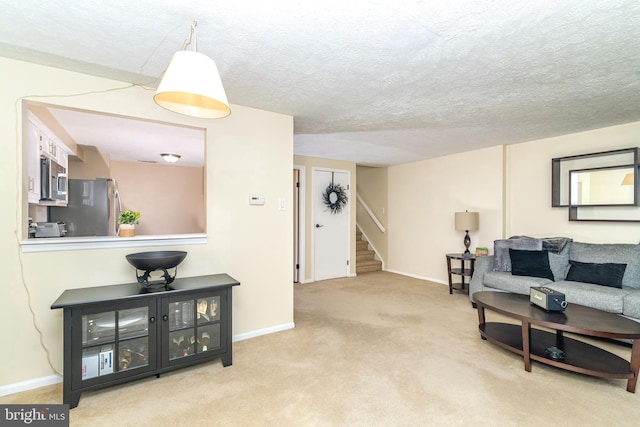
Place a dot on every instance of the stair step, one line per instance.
(368, 266)
(365, 258)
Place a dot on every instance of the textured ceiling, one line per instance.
(375, 82)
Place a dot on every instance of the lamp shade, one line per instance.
(467, 221)
(192, 86)
(628, 179)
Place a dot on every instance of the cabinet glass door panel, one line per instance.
(97, 361)
(117, 341)
(98, 328)
(181, 315)
(208, 337)
(181, 343)
(133, 322)
(208, 309)
(90, 362)
(133, 353)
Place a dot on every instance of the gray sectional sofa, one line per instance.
(602, 276)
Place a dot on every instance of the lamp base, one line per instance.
(467, 242)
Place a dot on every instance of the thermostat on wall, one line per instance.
(256, 200)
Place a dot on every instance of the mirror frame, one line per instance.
(561, 168)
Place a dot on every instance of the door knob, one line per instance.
(318, 225)
(165, 317)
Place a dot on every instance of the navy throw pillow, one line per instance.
(607, 274)
(530, 263)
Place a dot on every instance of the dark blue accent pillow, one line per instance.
(607, 274)
(530, 263)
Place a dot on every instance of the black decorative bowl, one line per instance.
(156, 260)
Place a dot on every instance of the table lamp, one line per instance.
(467, 221)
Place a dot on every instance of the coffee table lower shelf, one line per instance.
(580, 356)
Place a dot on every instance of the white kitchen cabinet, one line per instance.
(34, 141)
(43, 143)
(63, 157)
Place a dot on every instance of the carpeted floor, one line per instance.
(376, 350)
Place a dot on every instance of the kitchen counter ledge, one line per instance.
(50, 244)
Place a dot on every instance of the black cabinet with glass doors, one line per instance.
(119, 333)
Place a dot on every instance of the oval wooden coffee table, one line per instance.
(580, 356)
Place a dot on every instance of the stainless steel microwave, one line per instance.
(53, 180)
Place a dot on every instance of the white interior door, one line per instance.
(330, 227)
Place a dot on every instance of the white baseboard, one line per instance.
(55, 379)
(30, 384)
(415, 276)
(265, 331)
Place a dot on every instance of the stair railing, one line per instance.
(369, 212)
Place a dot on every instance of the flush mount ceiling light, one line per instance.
(170, 158)
(191, 84)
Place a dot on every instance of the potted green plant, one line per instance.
(128, 220)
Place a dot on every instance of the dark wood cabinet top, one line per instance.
(109, 293)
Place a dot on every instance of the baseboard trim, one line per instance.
(415, 276)
(55, 379)
(265, 331)
(30, 385)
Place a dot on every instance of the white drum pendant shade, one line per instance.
(192, 86)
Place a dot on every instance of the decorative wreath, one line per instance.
(335, 198)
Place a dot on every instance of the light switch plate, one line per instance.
(256, 200)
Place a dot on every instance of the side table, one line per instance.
(465, 269)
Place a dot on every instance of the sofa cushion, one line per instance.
(601, 297)
(530, 263)
(607, 274)
(631, 305)
(502, 260)
(619, 253)
(555, 245)
(559, 264)
(517, 284)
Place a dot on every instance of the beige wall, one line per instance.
(423, 197)
(250, 152)
(93, 165)
(509, 186)
(170, 198)
(372, 187)
(314, 162)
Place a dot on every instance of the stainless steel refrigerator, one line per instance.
(93, 208)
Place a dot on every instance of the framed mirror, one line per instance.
(609, 186)
(597, 186)
(562, 167)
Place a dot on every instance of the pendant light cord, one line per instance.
(192, 35)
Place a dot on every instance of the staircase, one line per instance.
(365, 258)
